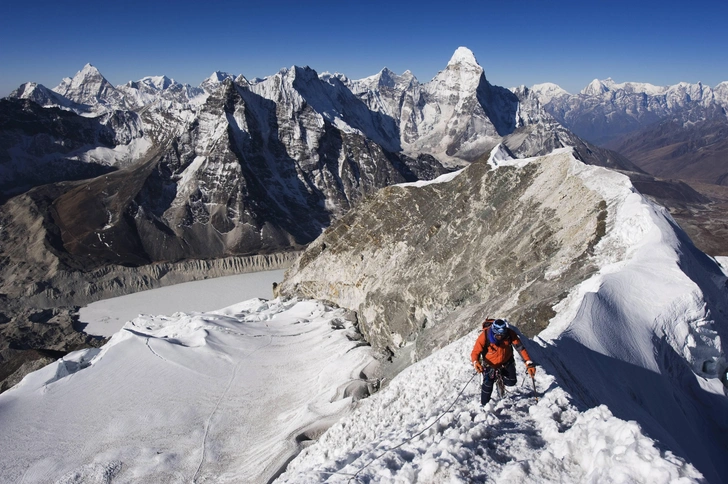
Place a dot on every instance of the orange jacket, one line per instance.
(499, 352)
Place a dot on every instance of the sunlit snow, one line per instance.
(223, 396)
(630, 387)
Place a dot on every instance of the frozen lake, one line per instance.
(106, 317)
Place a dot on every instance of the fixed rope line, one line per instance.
(355, 475)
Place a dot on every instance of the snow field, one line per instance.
(218, 397)
(108, 316)
(514, 439)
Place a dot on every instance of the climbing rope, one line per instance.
(355, 476)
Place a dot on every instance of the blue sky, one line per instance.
(526, 42)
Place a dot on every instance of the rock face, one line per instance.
(422, 265)
(236, 167)
(156, 172)
(247, 177)
(37, 145)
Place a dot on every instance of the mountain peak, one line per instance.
(157, 82)
(597, 87)
(88, 86)
(463, 55)
(219, 76)
(547, 91)
(89, 72)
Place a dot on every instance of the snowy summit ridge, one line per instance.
(463, 55)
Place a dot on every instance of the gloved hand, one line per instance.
(478, 366)
(531, 368)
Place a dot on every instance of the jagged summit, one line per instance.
(597, 87)
(88, 70)
(463, 73)
(463, 55)
(89, 87)
(219, 76)
(89, 73)
(159, 82)
(215, 80)
(547, 91)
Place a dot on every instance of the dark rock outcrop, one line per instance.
(37, 145)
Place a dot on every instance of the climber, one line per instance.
(493, 351)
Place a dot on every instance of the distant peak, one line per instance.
(88, 70)
(219, 76)
(159, 82)
(463, 55)
(597, 87)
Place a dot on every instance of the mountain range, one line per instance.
(111, 189)
(626, 321)
(669, 131)
(418, 206)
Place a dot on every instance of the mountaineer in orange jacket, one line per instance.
(493, 351)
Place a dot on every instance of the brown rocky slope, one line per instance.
(422, 265)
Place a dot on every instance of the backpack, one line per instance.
(488, 323)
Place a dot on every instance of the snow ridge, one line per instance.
(632, 357)
(515, 440)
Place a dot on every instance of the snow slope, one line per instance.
(224, 396)
(633, 354)
(516, 440)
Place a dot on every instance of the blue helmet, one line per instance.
(499, 326)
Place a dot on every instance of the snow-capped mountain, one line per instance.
(239, 167)
(150, 90)
(456, 116)
(605, 110)
(215, 81)
(668, 131)
(236, 167)
(89, 87)
(547, 91)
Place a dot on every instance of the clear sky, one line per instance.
(522, 42)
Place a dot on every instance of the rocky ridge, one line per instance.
(421, 263)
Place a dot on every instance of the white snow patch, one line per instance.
(463, 55)
(223, 396)
(440, 179)
(106, 317)
(427, 426)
